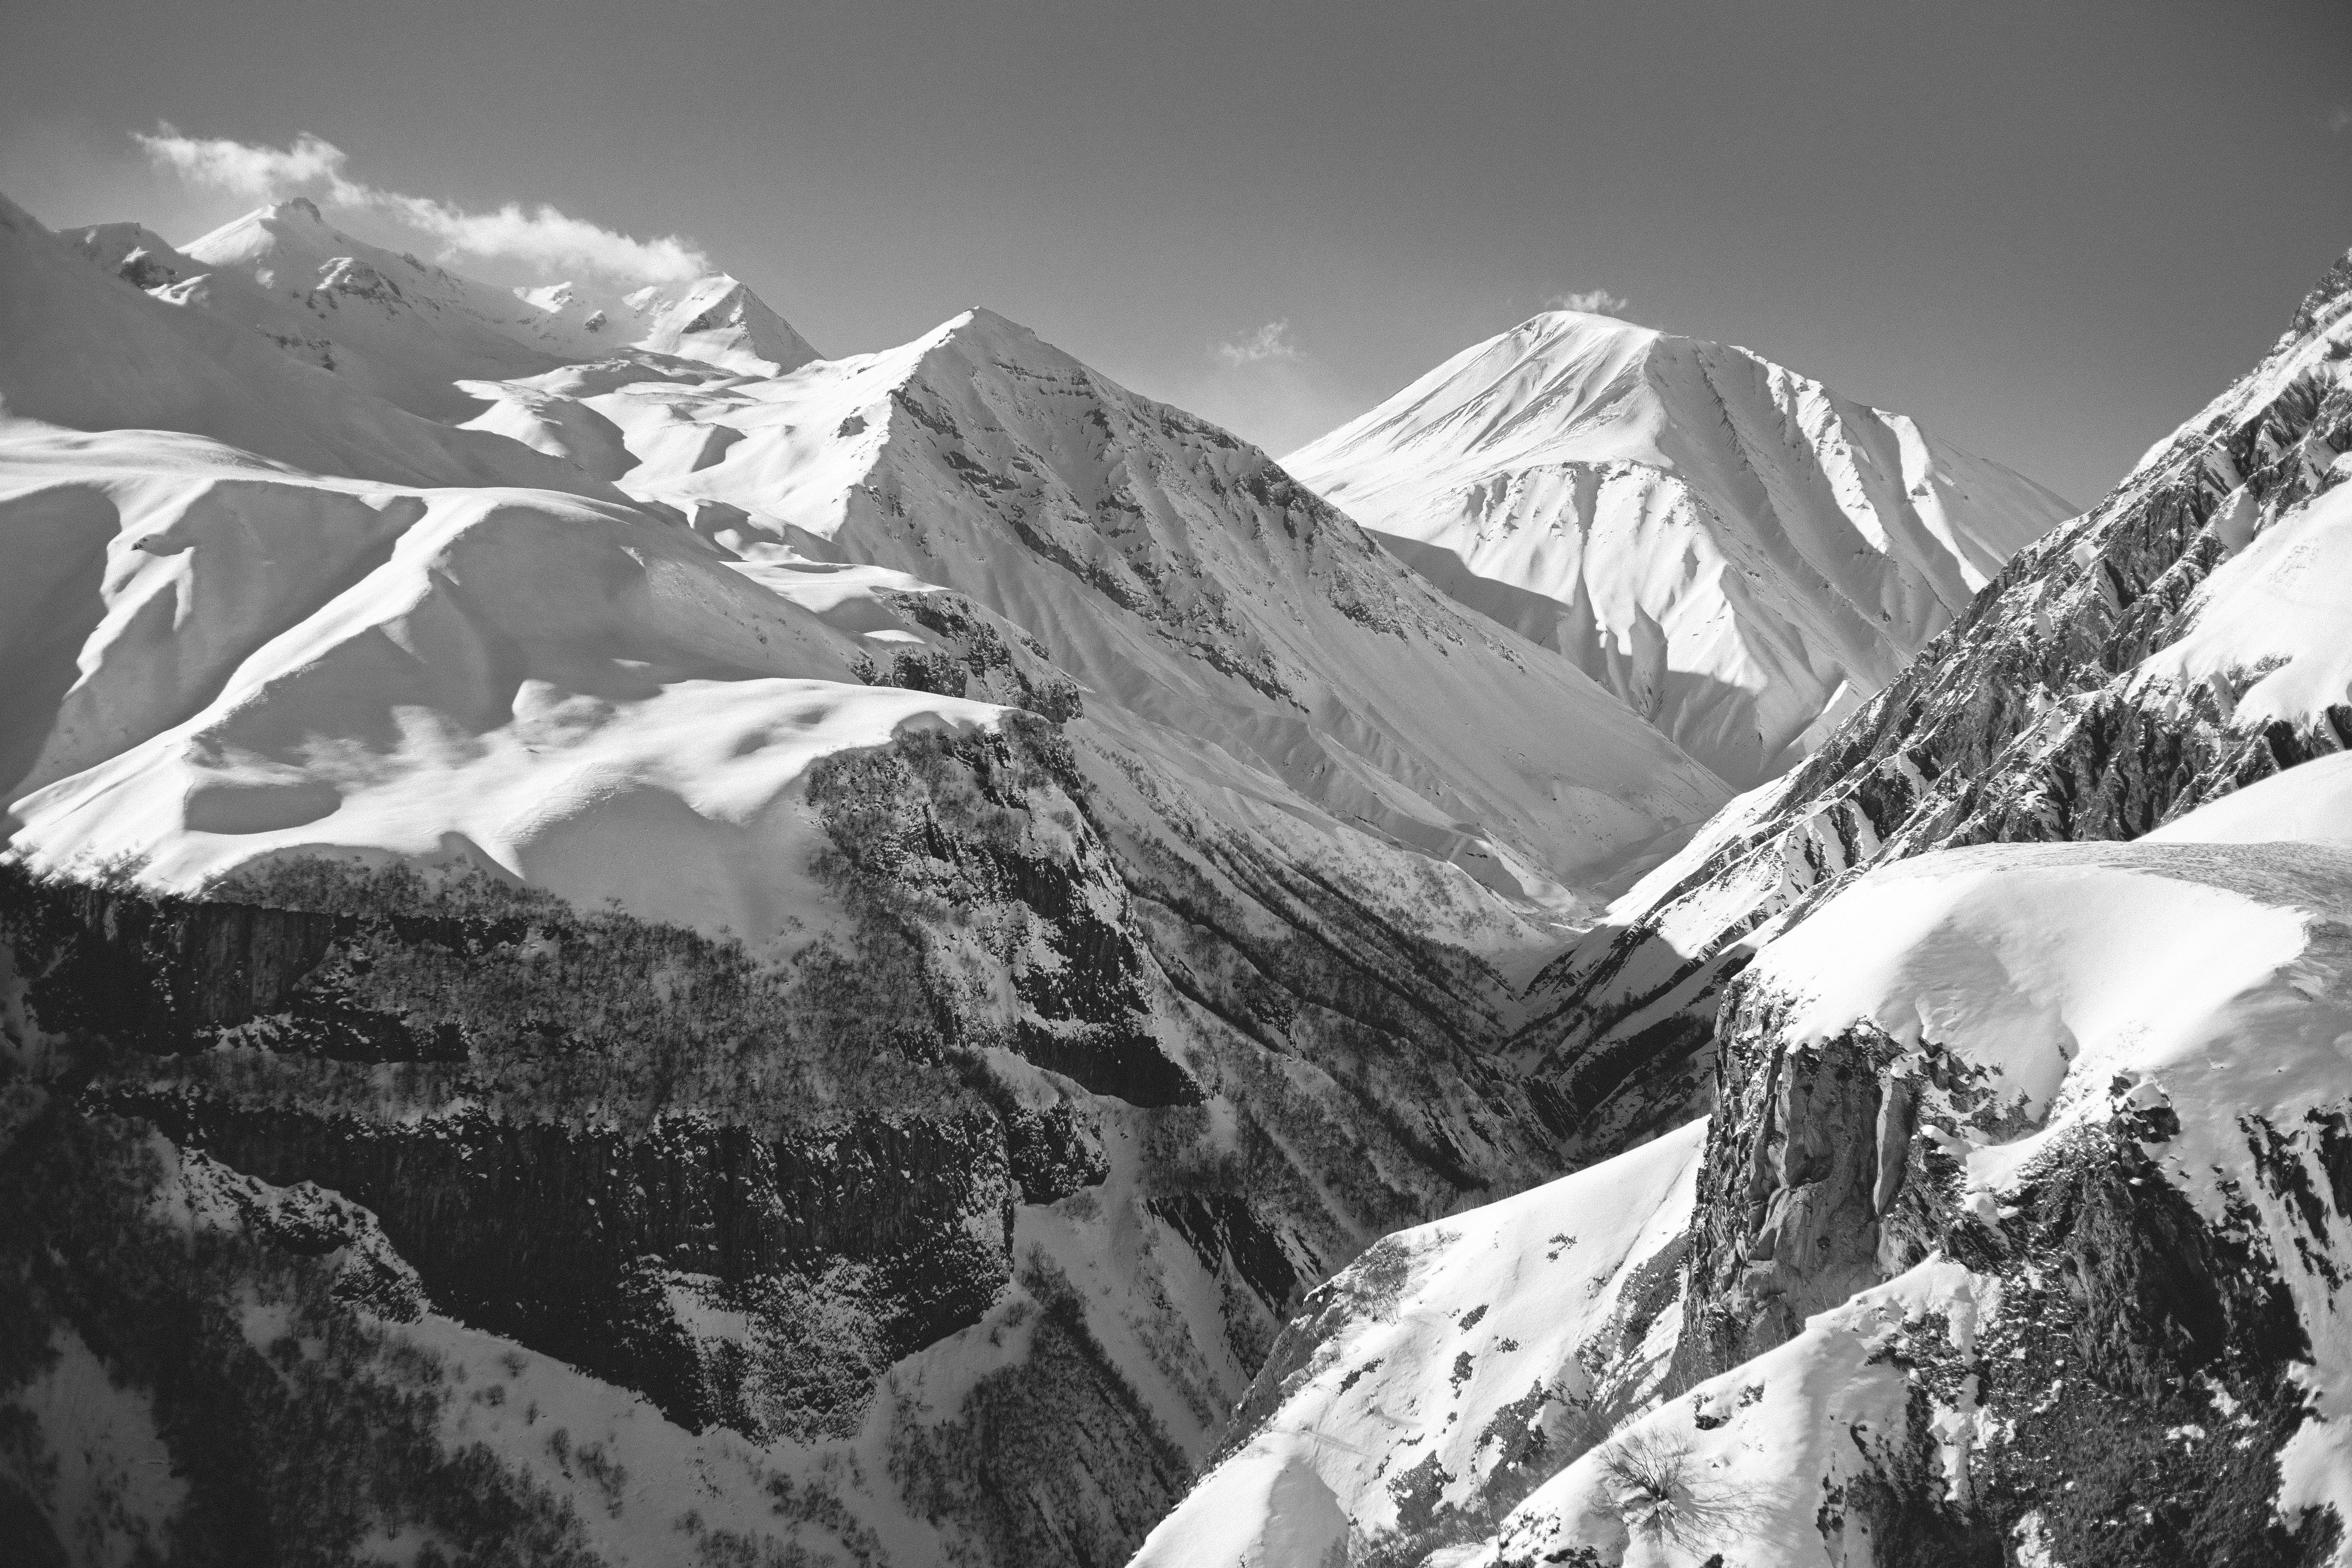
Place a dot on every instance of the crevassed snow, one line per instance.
(1739, 553)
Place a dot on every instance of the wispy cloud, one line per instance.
(2341, 121)
(247, 171)
(1270, 342)
(1598, 301)
(541, 236)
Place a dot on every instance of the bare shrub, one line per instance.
(1661, 1491)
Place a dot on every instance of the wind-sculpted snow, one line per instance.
(2177, 643)
(220, 663)
(1184, 581)
(1736, 552)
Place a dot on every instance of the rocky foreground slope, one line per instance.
(2016, 1233)
(1741, 555)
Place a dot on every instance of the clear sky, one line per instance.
(2048, 230)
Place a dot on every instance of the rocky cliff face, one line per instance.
(2157, 653)
(780, 1202)
(2078, 1219)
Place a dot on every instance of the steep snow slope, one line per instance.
(1449, 1370)
(82, 350)
(1739, 553)
(2182, 640)
(2100, 1095)
(1182, 578)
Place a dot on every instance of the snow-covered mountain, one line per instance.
(84, 352)
(918, 921)
(747, 958)
(1185, 582)
(1739, 553)
(408, 330)
(2016, 1232)
(2142, 660)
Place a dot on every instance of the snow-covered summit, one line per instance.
(407, 329)
(1175, 571)
(719, 321)
(1734, 550)
(91, 352)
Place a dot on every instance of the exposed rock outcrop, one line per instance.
(2099, 686)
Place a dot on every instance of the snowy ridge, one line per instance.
(1176, 574)
(1739, 553)
(406, 331)
(87, 352)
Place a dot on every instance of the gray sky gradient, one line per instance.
(2049, 231)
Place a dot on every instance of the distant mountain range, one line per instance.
(620, 942)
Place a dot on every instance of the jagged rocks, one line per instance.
(975, 844)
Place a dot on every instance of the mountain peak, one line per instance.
(422, 328)
(1736, 552)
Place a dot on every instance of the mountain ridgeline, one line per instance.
(621, 943)
(2002, 1043)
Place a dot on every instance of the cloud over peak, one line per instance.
(541, 236)
(1593, 301)
(1270, 342)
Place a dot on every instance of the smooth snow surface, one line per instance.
(1739, 553)
(2308, 804)
(2270, 630)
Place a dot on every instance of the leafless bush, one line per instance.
(1661, 1492)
